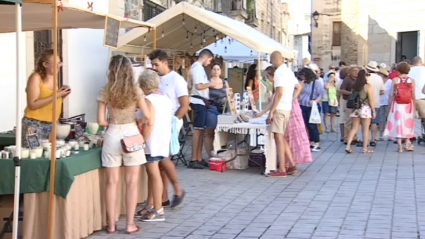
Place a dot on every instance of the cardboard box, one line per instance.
(6, 208)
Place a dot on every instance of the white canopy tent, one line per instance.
(185, 27)
(33, 15)
(37, 15)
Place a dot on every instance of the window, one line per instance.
(151, 9)
(336, 34)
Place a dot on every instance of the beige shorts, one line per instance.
(280, 121)
(420, 108)
(112, 153)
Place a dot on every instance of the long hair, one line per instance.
(39, 66)
(250, 75)
(361, 81)
(121, 88)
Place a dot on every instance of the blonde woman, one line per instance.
(157, 132)
(38, 113)
(121, 97)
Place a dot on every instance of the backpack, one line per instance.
(353, 101)
(403, 91)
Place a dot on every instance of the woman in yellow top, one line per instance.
(38, 113)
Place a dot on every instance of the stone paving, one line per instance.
(379, 195)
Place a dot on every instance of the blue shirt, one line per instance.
(305, 95)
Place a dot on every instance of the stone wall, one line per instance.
(371, 28)
(349, 34)
(323, 52)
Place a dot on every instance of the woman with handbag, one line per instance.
(218, 99)
(330, 104)
(123, 143)
(311, 93)
(364, 113)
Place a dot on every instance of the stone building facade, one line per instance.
(271, 17)
(326, 37)
(380, 30)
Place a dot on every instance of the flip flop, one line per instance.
(133, 232)
(348, 151)
(367, 151)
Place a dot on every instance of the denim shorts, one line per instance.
(377, 120)
(199, 116)
(327, 108)
(151, 159)
(212, 118)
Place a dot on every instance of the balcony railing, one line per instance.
(238, 9)
(251, 9)
(151, 9)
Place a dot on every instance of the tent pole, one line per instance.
(50, 220)
(16, 157)
(260, 105)
(154, 38)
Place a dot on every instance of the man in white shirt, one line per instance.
(199, 103)
(378, 89)
(417, 72)
(175, 88)
(280, 111)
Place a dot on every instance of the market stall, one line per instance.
(79, 179)
(187, 28)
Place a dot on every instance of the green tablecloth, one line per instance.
(35, 173)
(7, 140)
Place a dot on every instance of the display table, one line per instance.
(6, 140)
(257, 126)
(79, 200)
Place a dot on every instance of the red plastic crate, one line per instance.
(218, 165)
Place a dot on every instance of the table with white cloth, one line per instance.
(253, 128)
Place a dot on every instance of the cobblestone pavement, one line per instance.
(379, 195)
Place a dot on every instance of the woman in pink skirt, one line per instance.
(296, 134)
(401, 118)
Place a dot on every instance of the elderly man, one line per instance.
(417, 72)
(345, 91)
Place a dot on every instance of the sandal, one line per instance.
(367, 151)
(373, 143)
(155, 216)
(400, 150)
(110, 232)
(132, 232)
(409, 147)
(348, 150)
(143, 212)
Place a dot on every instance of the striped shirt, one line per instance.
(305, 95)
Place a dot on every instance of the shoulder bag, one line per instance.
(132, 143)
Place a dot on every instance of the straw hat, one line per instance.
(383, 71)
(372, 66)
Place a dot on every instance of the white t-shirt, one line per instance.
(418, 74)
(283, 77)
(156, 144)
(199, 76)
(386, 97)
(377, 84)
(173, 86)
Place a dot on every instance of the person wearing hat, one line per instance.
(384, 99)
(378, 90)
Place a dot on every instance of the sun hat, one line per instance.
(372, 66)
(383, 71)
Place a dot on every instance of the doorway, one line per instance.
(407, 45)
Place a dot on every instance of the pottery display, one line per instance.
(93, 127)
(25, 153)
(38, 152)
(62, 131)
